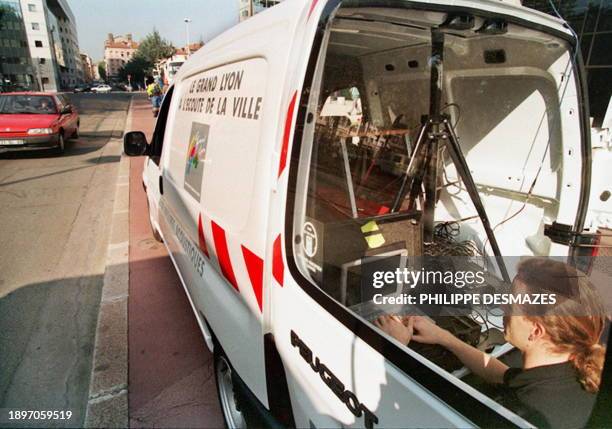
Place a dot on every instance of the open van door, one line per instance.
(152, 173)
(503, 84)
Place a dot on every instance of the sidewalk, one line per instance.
(170, 371)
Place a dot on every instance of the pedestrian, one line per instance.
(154, 92)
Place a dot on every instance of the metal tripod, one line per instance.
(421, 176)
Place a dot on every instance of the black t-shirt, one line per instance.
(548, 396)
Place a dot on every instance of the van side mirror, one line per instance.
(135, 143)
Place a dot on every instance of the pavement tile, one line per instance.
(110, 360)
(109, 412)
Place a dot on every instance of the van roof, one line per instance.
(290, 10)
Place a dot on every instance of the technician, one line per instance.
(560, 344)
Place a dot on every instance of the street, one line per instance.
(54, 237)
(57, 228)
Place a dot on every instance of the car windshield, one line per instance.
(31, 104)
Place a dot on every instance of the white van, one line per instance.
(269, 208)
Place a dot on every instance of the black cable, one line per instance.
(455, 105)
(501, 328)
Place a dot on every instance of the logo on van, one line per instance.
(346, 396)
(196, 154)
(310, 239)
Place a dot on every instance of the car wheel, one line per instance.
(75, 135)
(232, 415)
(61, 144)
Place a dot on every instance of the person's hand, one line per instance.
(398, 328)
(426, 331)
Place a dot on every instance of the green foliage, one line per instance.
(138, 67)
(153, 47)
(102, 70)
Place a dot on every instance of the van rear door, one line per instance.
(511, 92)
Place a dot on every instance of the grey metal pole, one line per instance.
(187, 21)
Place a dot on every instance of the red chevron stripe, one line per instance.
(278, 269)
(223, 254)
(254, 265)
(201, 239)
(312, 6)
(287, 132)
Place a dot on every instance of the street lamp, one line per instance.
(187, 21)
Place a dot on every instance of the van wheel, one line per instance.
(230, 408)
(156, 235)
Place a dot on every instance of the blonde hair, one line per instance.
(575, 324)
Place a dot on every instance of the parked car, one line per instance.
(36, 120)
(101, 89)
(82, 88)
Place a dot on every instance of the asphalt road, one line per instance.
(54, 230)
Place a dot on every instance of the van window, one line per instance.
(344, 103)
(497, 95)
(157, 141)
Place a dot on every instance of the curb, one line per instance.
(107, 405)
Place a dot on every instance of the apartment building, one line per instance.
(118, 50)
(53, 43)
(16, 68)
(88, 68)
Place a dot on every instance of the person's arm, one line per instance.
(423, 330)
(480, 363)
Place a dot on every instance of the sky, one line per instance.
(96, 18)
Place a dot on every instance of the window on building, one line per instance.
(42, 61)
(45, 80)
(35, 26)
(31, 7)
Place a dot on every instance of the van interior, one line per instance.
(495, 89)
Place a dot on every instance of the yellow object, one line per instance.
(373, 240)
(371, 226)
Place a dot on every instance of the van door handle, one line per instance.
(161, 186)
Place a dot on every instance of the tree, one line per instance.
(154, 48)
(138, 68)
(102, 70)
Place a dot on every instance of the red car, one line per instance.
(36, 120)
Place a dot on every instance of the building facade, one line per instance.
(53, 42)
(88, 68)
(592, 22)
(168, 67)
(16, 68)
(248, 8)
(40, 41)
(118, 50)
